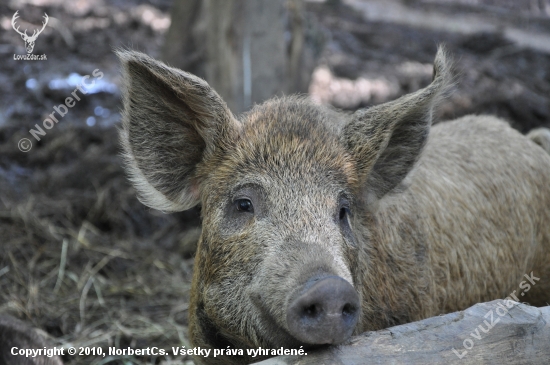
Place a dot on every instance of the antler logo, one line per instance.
(29, 40)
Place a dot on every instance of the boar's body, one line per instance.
(471, 219)
(317, 225)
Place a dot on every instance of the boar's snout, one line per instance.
(323, 311)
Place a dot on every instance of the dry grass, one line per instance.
(81, 258)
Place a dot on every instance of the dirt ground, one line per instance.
(82, 259)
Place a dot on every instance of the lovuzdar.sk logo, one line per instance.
(29, 39)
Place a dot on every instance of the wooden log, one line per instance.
(487, 333)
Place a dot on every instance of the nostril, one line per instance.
(311, 310)
(348, 310)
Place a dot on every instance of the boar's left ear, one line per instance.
(386, 140)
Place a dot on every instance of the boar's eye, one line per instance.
(343, 218)
(244, 205)
(344, 211)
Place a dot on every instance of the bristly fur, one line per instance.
(420, 220)
(541, 136)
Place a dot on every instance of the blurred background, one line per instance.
(80, 257)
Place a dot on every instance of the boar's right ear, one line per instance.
(386, 140)
(172, 122)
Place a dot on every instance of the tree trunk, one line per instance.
(184, 46)
(247, 50)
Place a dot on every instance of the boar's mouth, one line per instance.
(276, 336)
(212, 333)
(324, 310)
